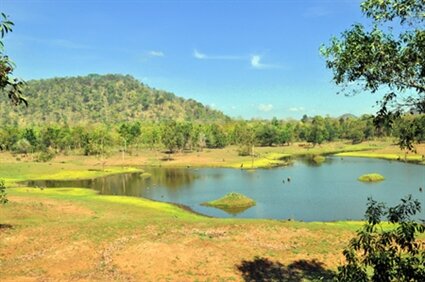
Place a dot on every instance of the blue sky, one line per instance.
(246, 58)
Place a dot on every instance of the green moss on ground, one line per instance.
(231, 200)
(371, 177)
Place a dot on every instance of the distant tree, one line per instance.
(30, 135)
(266, 134)
(130, 131)
(305, 118)
(410, 127)
(318, 132)
(389, 57)
(11, 86)
(170, 136)
(215, 136)
(23, 146)
(332, 128)
(386, 254)
(186, 131)
(151, 135)
(286, 134)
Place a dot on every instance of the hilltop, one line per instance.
(107, 98)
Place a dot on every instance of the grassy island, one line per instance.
(318, 159)
(371, 177)
(231, 201)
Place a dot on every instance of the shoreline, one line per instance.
(130, 170)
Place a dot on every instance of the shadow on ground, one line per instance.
(262, 269)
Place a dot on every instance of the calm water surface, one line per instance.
(315, 193)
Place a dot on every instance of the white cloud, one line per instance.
(254, 60)
(265, 107)
(201, 56)
(154, 53)
(257, 64)
(296, 109)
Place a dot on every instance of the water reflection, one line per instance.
(233, 211)
(129, 184)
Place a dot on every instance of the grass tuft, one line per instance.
(231, 200)
(371, 177)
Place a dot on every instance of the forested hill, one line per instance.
(101, 98)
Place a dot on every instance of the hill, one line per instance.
(108, 98)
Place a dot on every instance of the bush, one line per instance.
(386, 254)
(45, 156)
(244, 150)
(22, 146)
(3, 194)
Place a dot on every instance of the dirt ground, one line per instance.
(58, 241)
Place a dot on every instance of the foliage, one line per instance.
(8, 84)
(318, 132)
(389, 58)
(23, 146)
(410, 129)
(45, 156)
(3, 198)
(244, 150)
(98, 138)
(390, 254)
(107, 99)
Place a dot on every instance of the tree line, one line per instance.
(92, 139)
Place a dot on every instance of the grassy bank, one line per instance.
(265, 157)
(14, 171)
(413, 158)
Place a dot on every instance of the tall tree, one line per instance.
(388, 57)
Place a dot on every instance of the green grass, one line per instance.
(371, 177)
(231, 200)
(268, 157)
(257, 163)
(12, 173)
(386, 156)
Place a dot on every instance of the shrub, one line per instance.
(3, 194)
(244, 150)
(45, 156)
(386, 254)
(22, 146)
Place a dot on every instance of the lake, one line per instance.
(325, 192)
